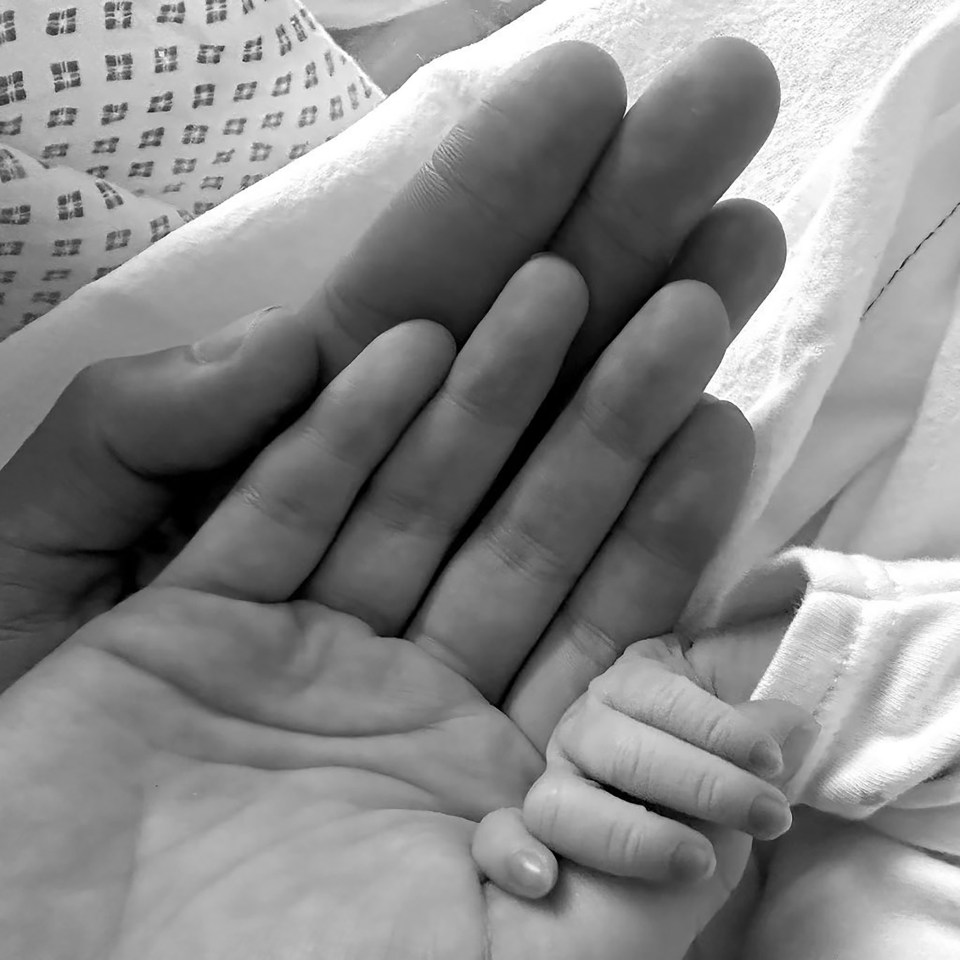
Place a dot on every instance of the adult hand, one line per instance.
(220, 767)
(547, 161)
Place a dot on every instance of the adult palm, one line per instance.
(233, 763)
(546, 160)
(223, 779)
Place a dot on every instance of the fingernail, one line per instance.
(531, 871)
(691, 861)
(799, 743)
(765, 759)
(769, 817)
(226, 341)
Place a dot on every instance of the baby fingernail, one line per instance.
(799, 743)
(224, 342)
(769, 817)
(765, 759)
(691, 861)
(531, 871)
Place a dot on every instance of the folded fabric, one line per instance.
(871, 649)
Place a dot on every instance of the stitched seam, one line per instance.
(908, 258)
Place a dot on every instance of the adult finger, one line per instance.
(647, 690)
(582, 822)
(681, 145)
(640, 580)
(491, 196)
(653, 766)
(739, 250)
(271, 530)
(497, 595)
(97, 472)
(646, 215)
(398, 532)
(522, 168)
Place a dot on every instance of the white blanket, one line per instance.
(275, 242)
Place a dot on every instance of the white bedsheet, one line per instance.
(275, 242)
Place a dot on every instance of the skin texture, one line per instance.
(221, 767)
(549, 161)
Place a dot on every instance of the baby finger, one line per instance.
(657, 768)
(582, 822)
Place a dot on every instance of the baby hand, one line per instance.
(642, 756)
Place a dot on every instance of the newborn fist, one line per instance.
(642, 756)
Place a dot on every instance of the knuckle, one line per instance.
(285, 505)
(591, 643)
(620, 842)
(628, 767)
(320, 438)
(490, 396)
(407, 510)
(671, 540)
(707, 792)
(522, 550)
(449, 173)
(542, 807)
(614, 425)
(274, 506)
(325, 448)
(668, 699)
(630, 232)
(630, 843)
(716, 731)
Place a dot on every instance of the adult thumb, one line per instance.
(125, 438)
(97, 470)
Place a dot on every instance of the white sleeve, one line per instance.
(873, 652)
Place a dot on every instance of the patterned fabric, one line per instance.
(122, 120)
